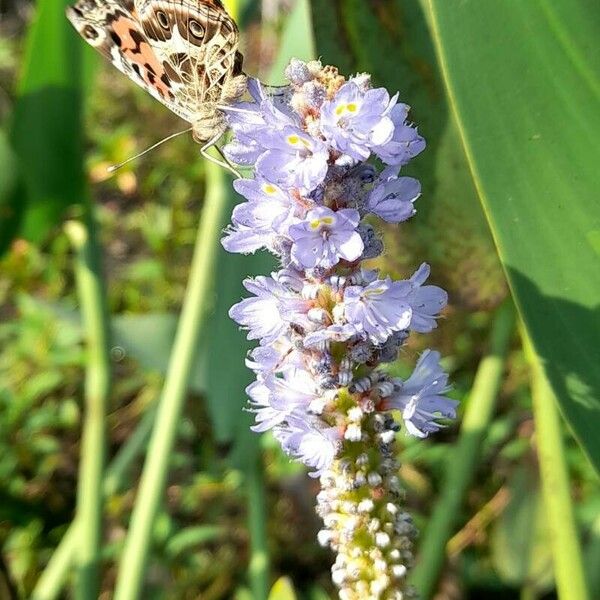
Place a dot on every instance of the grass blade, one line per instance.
(566, 550)
(88, 270)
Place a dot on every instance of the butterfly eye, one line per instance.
(162, 19)
(196, 29)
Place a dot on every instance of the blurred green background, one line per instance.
(507, 95)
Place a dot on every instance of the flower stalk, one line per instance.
(326, 324)
(90, 284)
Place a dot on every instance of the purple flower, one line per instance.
(250, 121)
(405, 143)
(266, 417)
(276, 357)
(392, 197)
(312, 442)
(325, 237)
(355, 120)
(293, 159)
(259, 222)
(379, 309)
(421, 397)
(426, 301)
(268, 314)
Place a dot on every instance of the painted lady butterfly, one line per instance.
(183, 52)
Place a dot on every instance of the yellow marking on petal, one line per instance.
(293, 139)
(351, 107)
(374, 292)
(269, 189)
(316, 223)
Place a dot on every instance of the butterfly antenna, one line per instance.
(113, 168)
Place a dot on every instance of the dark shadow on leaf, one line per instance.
(47, 141)
(566, 336)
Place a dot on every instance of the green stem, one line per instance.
(97, 388)
(556, 489)
(52, 580)
(528, 592)
(151, 489)
(463, 460)
(258, 569)
(592, 559)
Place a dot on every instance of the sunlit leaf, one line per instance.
(524, 79)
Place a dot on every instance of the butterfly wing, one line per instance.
(199, 41)
(180, 52)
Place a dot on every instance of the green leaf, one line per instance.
(188, 538)
(283, 589)
(46, 123)
(524, 82)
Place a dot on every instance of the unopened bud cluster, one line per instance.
(324, 322)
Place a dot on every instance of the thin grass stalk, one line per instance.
(153, 480)
(53, 578)
(592, 559)
(569, 570)
(258, 569)
(464, 458)
(90, 285)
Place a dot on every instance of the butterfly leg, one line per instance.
(226, 164)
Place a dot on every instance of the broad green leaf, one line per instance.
(46, 123)
(283, 589)
(391, 41)
(524, 81)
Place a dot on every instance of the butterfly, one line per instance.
(183, 52)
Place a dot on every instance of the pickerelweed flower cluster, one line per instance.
(325, 323)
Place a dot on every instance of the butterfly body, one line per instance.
(183, 52)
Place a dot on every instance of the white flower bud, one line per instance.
(355, 414)
(366, 506)
(353, 433)
(325, 536)
(399, 571)
(374, 479)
